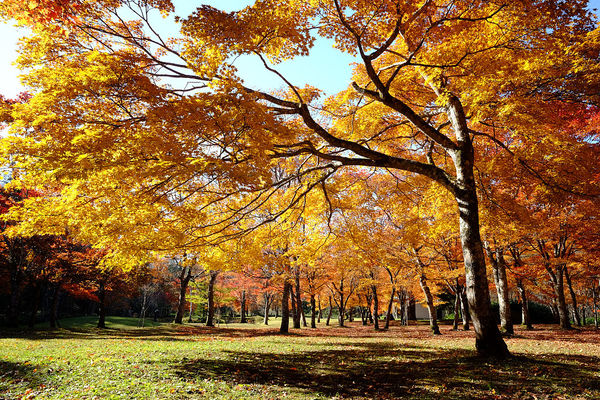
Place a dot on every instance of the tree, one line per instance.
(435, 80)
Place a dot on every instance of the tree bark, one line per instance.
(211, 298)
(184, 280)
(297, 298)
(500, 280)
(320, 311)
(267, 297)
(430, 307)
(295, 314)
(573, 297)
(341, 305)
(595, 300)
(556, 278)
(375, 307)
(285, 308)
(101, 306)
(456, 307)
(243, 308)
(313, 311)
(191, 307)
(525, 320)
(464, 309)
(329, 312)
(389, 309)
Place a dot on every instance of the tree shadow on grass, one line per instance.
(18, 376)
(384, 371)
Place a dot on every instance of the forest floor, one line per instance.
(254, 362)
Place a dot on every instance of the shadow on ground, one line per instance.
(384, 371)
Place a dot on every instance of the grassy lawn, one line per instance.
(254, 362)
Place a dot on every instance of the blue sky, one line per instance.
(300, 71)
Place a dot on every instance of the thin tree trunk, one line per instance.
(285, 308)
(211, 298)
(375, 307)
(595, 299)
(388, 315)
(329, 312)
(295, 314)
(341, 305)
(313, 311)
(573, 296)
(298, 300)
(243, 308)
(431, 308)
(464, 309)
(320, 310)
(101, 306)
(456, 307)
(191, 307)
(525, 320)
(267, 299)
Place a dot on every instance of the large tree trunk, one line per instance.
(525, 320)
(375, 307)
(184, 280)
(488, 340)
(430, 307)
(243, 308)
(211, 298)
(313, 311)
(573, 296)
(499, 268)
(101, 305)
(389, 309)
(285, 308)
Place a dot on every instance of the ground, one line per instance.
(255, 362)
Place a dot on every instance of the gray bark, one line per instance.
(500, 280)
(430, 307)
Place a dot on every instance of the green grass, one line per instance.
(253, 362)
